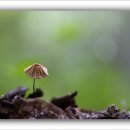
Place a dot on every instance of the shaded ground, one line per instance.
(14, 105)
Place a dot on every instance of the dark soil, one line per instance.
(14, 105)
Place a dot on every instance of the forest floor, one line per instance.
(14, 105)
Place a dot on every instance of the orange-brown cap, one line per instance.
(36, 71)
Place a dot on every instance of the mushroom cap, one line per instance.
(36, 71)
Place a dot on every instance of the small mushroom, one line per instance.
(36, 71)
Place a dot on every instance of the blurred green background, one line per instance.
(87, 51)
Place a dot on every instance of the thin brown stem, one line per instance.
(33, 85)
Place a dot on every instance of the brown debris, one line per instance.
(37, 93)
(65, 101)
(14, 105)
(18, 91)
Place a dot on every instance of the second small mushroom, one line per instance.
(36, 71)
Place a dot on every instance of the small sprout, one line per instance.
(36, 71)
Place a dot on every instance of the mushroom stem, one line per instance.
(33, 85)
